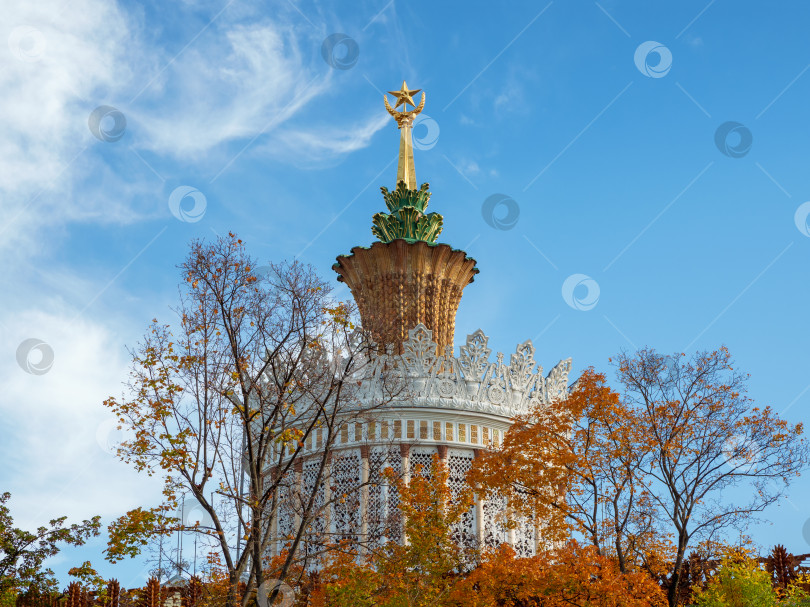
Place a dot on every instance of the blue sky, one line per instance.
(610, 158)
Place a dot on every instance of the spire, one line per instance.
(404, 97)
(406, 217)
(406, 277)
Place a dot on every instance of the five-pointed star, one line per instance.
(404, 96)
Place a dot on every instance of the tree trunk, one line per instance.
(673, 591)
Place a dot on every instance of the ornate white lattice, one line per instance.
(468, 382)
(286, 493)
(525, 540)
(342, 521)
(316, 530)
(495, 532)
(422, 458)
(346, 495)
(383, 499)
(458, 464)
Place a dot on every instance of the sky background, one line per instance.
(601, 128)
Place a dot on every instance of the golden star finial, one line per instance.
(404, 96)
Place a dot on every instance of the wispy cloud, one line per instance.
(54, 173)
(230, 88)
(318, 143)
(243, 80)
(55, 458)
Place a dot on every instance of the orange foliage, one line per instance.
(570, 576)
(432, 571)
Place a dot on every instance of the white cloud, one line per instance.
(319, 142)
(64, 60)
(43, 113)
(70, 58)
(512, 97)
(470, 167)
(50, 176)
(237, 82)
(54, 464)
(248, 82)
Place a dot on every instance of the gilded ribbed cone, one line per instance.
(398, 285)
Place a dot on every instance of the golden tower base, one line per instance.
(398, 285)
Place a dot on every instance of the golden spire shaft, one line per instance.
(405, 169)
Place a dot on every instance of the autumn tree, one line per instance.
(22, 553)
(259, 365)
(422, 569)
(639, 474)
(87, 576)
(419, 572)
(741, 582)
(704, 438)
(574, 465)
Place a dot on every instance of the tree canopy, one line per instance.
(22, 553)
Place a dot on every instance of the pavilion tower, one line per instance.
(408, 288)
(406, 278)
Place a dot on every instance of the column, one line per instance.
(443, 463)
(327, 496)
(405, 453)
(511, 535)
(537, 530)
(274, 541)
(298, 469)
(479, 511)
(479, 519)
(363, 496)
